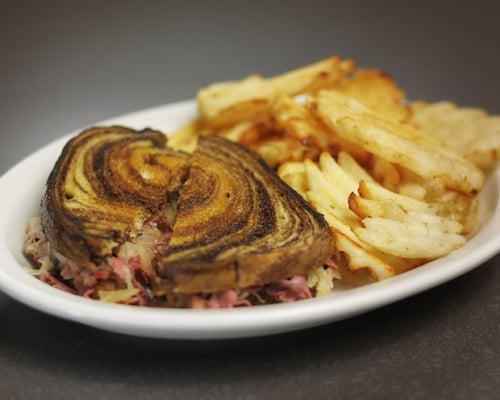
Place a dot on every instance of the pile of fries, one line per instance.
(397, 181)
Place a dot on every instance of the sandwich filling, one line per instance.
(130, 276)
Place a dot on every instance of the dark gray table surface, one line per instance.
(64, 65)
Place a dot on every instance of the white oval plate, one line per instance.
(21, 189)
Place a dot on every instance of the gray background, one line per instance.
(67, 64)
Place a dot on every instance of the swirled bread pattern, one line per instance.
(106, 183)
(237, 223)
(236, 216)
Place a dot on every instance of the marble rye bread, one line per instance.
(234, 223)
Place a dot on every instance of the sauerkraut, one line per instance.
(129, 277)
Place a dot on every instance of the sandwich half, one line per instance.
(126, 219)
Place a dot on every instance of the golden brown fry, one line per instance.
(234, 133)
(311, 78)
(390, 210)
(372, 191)
(350, 165)
(471, 132)
(326, 194)
(471, 216)
(281, 150)
(451, 204)
(294, 174)
(336, 176)
(386, 173)
(377, 91)
(298, 122)
(403, 239)
(395, 142)
(225, 104)
(458, 207)
(274, 145)
(186, 138)
(412, 189)
(228, 103)
(358, 258)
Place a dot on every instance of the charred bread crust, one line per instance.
(237, 225)
(96, 196)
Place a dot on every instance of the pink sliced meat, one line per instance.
(54, 282)
(226, 299)
(287, 290)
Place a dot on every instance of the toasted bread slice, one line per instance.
(239, 224)
(236, 224)
(107, 182)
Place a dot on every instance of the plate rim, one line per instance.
(230, 323)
